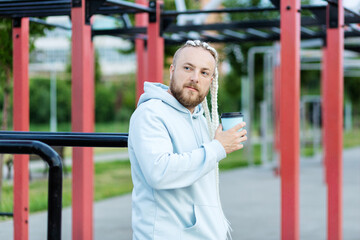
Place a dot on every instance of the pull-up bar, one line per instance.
(55, 179)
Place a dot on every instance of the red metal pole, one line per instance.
(82, 121)
(21, 123)
(334, 120)
(290, 117)
(141, 20)
(155, 46)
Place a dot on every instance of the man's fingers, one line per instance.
(237, 127)
(243, 132)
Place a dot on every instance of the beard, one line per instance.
(188, 98)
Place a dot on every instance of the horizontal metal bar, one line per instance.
(348, 20)
(235, 10)
(120, 31)
(6, 214)
(70, 139)
(43, 22)
(36, 13)
(131, 5)
(62, 133)
(223, 10)
(32, 3)
(313, 7)
(307, 31)
(256, 24)
(34, 8)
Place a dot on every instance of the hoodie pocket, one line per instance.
(208, 225)
(194, 228)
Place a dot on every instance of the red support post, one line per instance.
(21, 123)
(155, 46)
(82, 121)
(141, 20)
(333, 100)
(290, 117)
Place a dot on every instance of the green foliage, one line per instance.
(105, 103)
(6, 60)
(63, 101)
(352, 89)
(113, 101)
(5, 43)
(40, 100)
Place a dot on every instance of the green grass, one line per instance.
(111, 127)
(239, 158)
(350, 139)
(111, 179)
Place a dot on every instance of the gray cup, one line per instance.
(230, 119)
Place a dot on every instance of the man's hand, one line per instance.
(231, 139)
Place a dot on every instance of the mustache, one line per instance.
(192, 85)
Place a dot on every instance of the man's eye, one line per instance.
(205, 73)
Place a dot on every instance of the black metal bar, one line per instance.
(313, 7)
(43, 22)
(33, 3)
(34, 8)
(305, 21)
(223, 10)
(120, 31)
(6, 214)
(55, 178)
(70, 139)
(36, 13)
(130, 5)
(235, 10)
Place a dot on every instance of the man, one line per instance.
(174, 152)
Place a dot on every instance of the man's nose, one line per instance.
(195, 76)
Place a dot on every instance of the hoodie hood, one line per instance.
(160, 91)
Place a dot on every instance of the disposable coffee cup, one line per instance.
(230, 119)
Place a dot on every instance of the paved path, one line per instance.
(251, 200)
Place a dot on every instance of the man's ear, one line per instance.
(171, 70)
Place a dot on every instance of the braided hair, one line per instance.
(213, 118)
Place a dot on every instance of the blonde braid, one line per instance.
(207, 115)
(213, 120)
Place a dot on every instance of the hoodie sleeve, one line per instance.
(161, 167)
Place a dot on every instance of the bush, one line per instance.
(114, 101)
(40, 100)
(104, 103)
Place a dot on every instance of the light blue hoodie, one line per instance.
(173, 168)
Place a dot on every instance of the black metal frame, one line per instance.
(70, 139)
(23, 8)
(37, 142)
(55, 179)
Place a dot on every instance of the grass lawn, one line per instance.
(111, 179)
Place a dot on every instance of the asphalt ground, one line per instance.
(251, 201)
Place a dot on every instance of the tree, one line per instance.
(6, 59)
